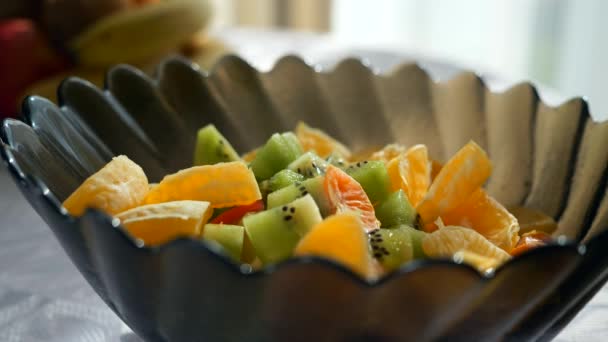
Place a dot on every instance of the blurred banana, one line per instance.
(140, 33)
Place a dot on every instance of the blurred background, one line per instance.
(558, 43)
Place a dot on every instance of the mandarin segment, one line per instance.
(222, 185)
(316, 140)
(119, 185)
(450, 240)
(162, 222)
(388, 152)
(411, 172)
(484, 214)
(464, 173)
(345, 194)
(340, 238)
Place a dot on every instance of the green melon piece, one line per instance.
(275, 155)
(212, 148)
(395, 210)
(312, 186)
(230, 237)
(373, 177)
(308, 165)
(391, 247)
(275, 232)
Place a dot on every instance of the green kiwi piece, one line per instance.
(373, 177)
(275, 155)
(230, 237)
(417, 236)
(212, 148)
(309, 165)
(391, 247)
(283, 179)
(312, 186)
(395, 210)
(275, 232)
(337, 160)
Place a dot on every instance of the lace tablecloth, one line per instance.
(44, 298)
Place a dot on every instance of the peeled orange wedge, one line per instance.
(250, 156)
(411, 172)
(388, 152)
(119, 185)
(159, 223)
(346, 194)
(315, 140)
(341, 238)
(450, 240)
(222, 185)
(468, 169)
(488, 217)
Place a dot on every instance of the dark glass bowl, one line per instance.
(550, 158)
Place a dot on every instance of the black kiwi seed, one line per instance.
(358, 164)
(299, 170)
(293, 210)
(365, 162)
(302, 188)
(377, 255)
(374, 247)
(288, 217)
(285, 208)
(221, 142)
(304, 193)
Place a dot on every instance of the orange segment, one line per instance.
(158, 223)
(411, 172)
(468, 169)
(341, 238)
(531, 219)
(388, 152)
(222, 185)
(119, 185)
(450, 240)
(488, 217)
(345, 194)
(315, 140)
(250, 156)
(435, 168)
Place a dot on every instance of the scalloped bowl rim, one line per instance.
(215, 251)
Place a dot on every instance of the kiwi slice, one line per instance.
(395, 210)
(275, 232)
(337, 160)
(275, 155)
(312, 186)
(417, 236)
(230, 237)
(373, 177)
(396, 246)
(308, 165)
(283, 179)
(212, 148)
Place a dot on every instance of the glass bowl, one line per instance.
(549, 158)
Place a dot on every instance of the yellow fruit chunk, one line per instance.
(315, 140)
(468, 169)
(341, 238)
(411, 172)
(531, 219)
(388, 152)
(119, 185)
(159, 223)
(446, 242)
(222, 185)
(489, 218)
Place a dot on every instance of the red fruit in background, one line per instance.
(25, 56)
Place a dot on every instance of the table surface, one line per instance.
(44, 298)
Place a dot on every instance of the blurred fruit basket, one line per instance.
(44, 41)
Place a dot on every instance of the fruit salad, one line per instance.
(305, 194)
